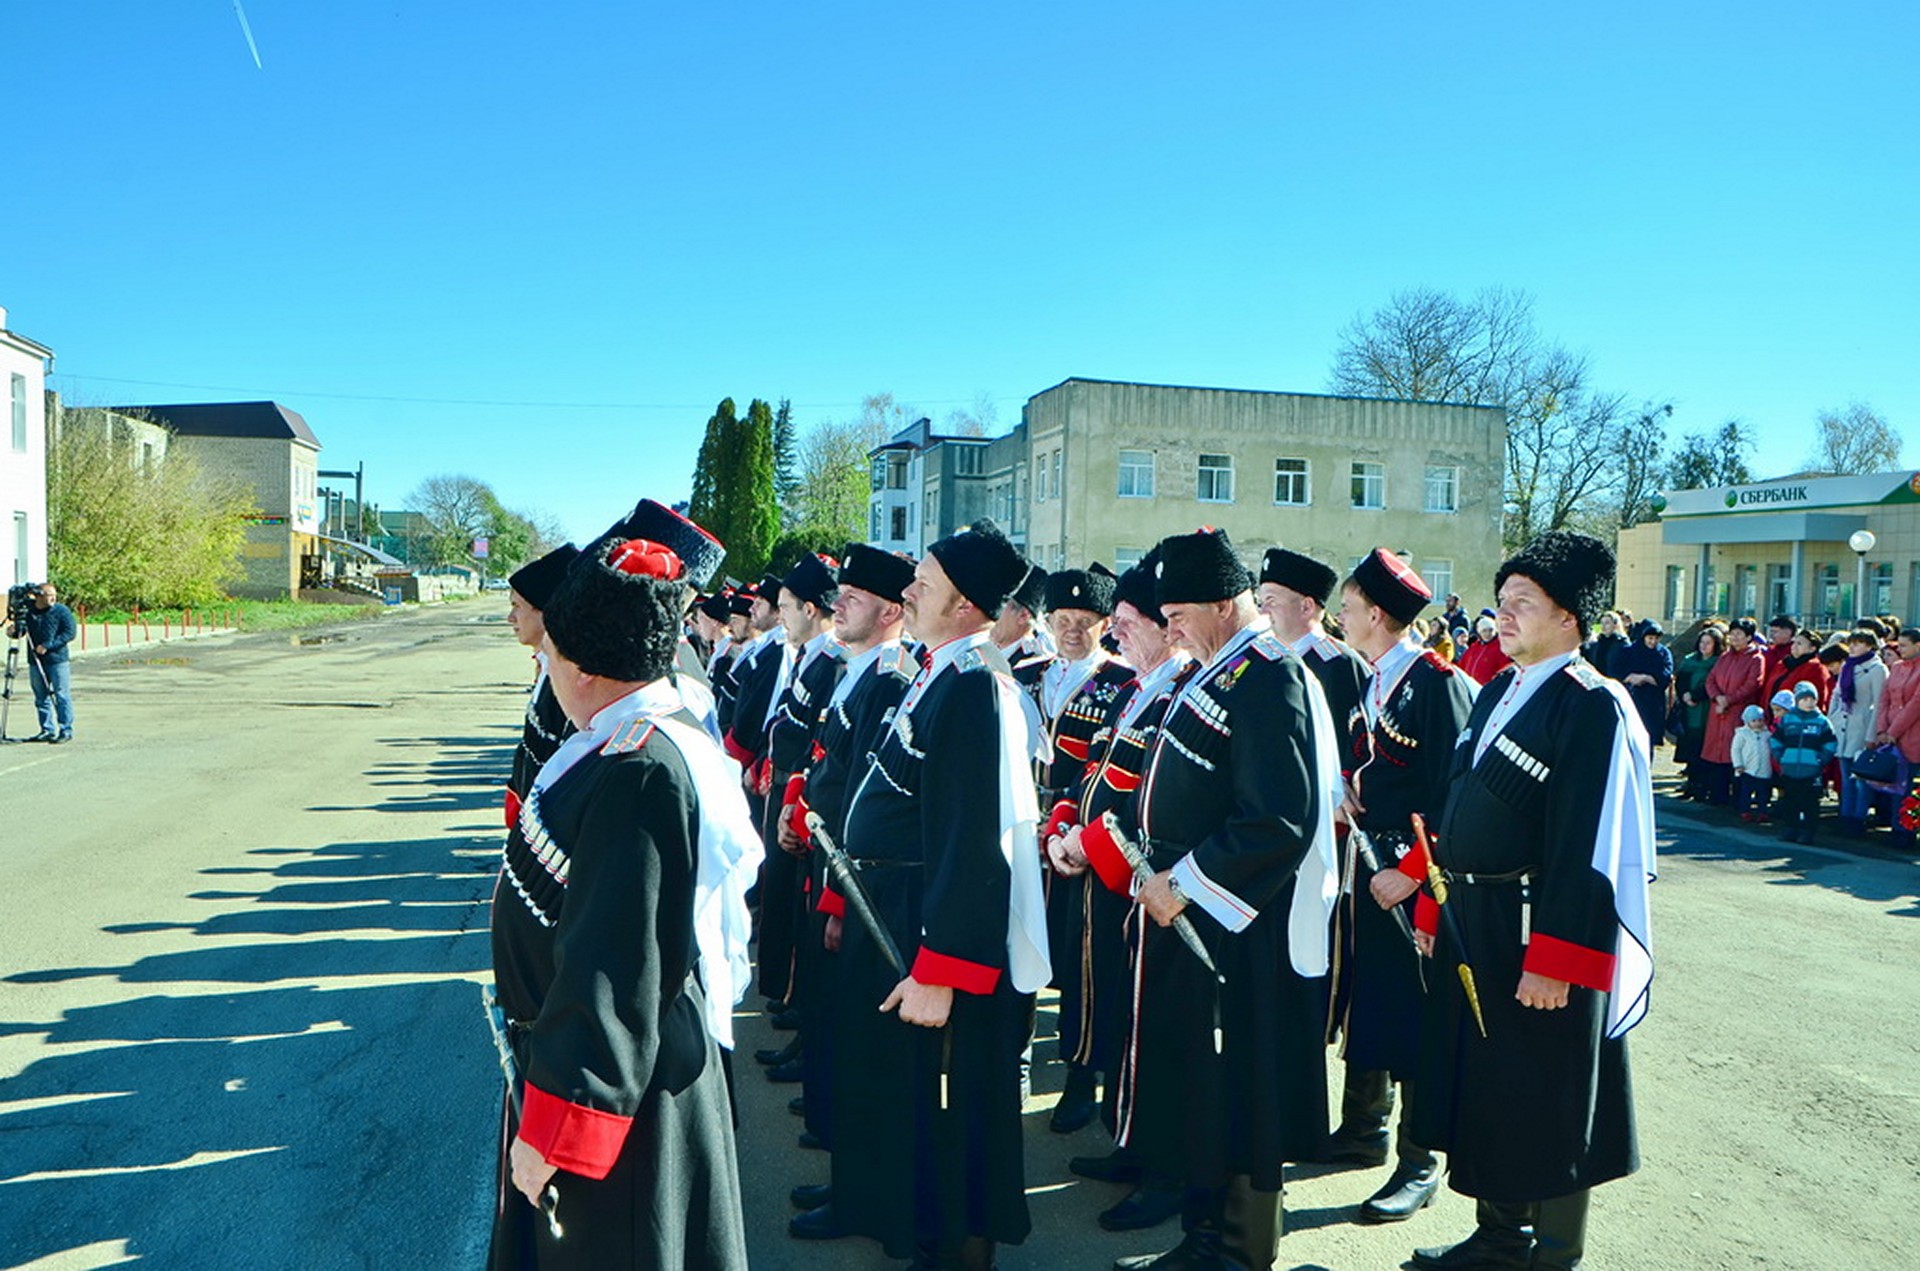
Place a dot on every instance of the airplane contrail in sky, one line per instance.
(246, 29)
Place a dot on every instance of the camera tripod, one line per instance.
(14, 645)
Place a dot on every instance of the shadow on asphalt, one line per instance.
(203, 1122)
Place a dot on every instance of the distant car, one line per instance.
(496, 584)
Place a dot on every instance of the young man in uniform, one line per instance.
(1294, 592)
(927, 1152)
(1414, 708)
(1546, 848)
(529, 590)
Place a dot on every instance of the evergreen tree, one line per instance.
(755, 514)
(786, 462)
(708, 477)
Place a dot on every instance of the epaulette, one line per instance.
(835, 650)
(896, 660)
(1269, 646)
(1433, 659)
(632, 735)
(1584, 675)
(1033, 665)
(982, 657)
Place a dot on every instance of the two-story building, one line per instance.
(270, 449)
(24, 365)
(1098, 470)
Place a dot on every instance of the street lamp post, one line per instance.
(1861, 541)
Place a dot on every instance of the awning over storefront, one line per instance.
(373, 554)
(1763, 527)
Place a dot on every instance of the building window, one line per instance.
(19, 396)
(1443, 490)
(1828, 597)
(1290, 483)
(1040, 471)
(1880, 587)
(1676, 592)
(1059, 487)
(19, 549)
(896, 472)
(1780, 589)
(898, 527)
(1369, 485)
(1136, 474)
(966, 460)
(878, 477)
(1746, 589)
(1215, 479)
(1439, 577)
(873, 523)
(1125, 558)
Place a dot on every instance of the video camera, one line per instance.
(20, 600)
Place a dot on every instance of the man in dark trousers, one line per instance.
(618, 1125)
(1414, 708)
(867, 620)
(806, 616)
(926, 1139)
(1075, 691)
(1546, 848)
(1223, 1083)
(48, 629)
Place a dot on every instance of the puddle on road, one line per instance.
(332, 637)
(351, 706)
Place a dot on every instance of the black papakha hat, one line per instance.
(617, 612)
(537, 579)
(1090, 588)
(1390, 582)
(718, 607)
(1136, 587)
(1031, 594)
(768, 588)
(698, 550)
(812, 579)
(1299, 573)
(982, 564)
(739, 603)
(1575, 571)
(882, 573)
(1199, 568)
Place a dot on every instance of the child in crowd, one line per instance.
(1803, 742)
(1752, 765)
(1781, 703)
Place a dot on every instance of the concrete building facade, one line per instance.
(1098, 470)
(1778, 547)
(24, 365)
(272, 450)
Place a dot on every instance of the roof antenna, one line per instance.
(246, 29)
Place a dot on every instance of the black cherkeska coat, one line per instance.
(1379, 990)
(594, 957)
(1543, 1104)
(791, 726)
(925, 823)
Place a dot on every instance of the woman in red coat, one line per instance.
(1802, 665)
(1737, 681)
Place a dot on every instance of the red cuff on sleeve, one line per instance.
(1065, 815)
(955, 973)
(579, 1140)
(1563, 960)
(1426, 915)
(1414, 863)
(513, 807)
(1105, 857)
(797, 810)
(832, 903)
(736, 752)
(795, 784)
(1071, 747)
(819, 752)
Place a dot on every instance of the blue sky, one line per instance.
(537, 243)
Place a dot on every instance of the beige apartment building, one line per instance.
(1116, 467)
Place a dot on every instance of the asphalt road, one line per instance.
(245, 918)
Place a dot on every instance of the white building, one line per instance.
(24, 365)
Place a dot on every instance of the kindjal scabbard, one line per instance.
(854, 889)
(1370, 857)
(1437, 883)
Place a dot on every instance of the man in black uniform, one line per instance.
(529, 589)
(1547, 848)
(927, 1150)
(619, 1124)
(1016, 632)
(1294, 592)
(1075, 691)
(867, 619)
(1414, 708)
(1222, 1083)
(806, 616)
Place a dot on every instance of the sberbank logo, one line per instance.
(1768, 494)
(1733, 498)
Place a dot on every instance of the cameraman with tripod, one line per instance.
(48, 628)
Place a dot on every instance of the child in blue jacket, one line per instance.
(1803, 742)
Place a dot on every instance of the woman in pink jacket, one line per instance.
(1736, 682)
(1898, 720)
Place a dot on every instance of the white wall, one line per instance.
(23, 468)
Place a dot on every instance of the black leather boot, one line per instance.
(1251, 1224)
(1503, 1240)
(1410, 1189)
(1075, 1110)
(1366, 1100)
(1560, 1232)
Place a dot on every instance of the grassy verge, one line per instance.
(254, 615)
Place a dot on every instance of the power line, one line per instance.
(459, 401)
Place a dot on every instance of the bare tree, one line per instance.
(458, 509)
(1854, 441)
(1565, 444)
(978, 420)
(1642, 463)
